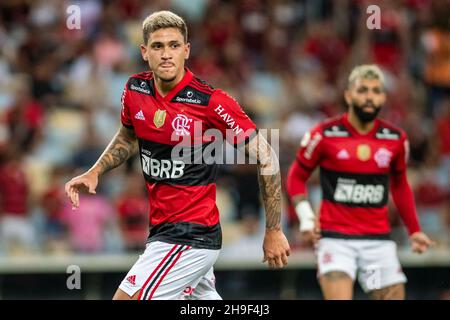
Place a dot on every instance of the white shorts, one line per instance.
(173, 272)
(375, 261)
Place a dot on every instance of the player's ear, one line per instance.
(187, 50)
(383, 98)
(347, 97)
(143, 52)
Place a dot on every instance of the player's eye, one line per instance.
(362, 89)
(376, 90)
(175, 45)
(156, 46)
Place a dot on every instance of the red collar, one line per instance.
(184, 82)
(355, 132)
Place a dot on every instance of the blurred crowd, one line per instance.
(285, 61)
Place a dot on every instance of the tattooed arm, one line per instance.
(275, 247)
(122, 147)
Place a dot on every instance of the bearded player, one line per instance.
(361, 158)
(161, 109)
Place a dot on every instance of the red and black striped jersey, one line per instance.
(354, 174)
(175, 133)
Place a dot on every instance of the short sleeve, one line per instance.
(400, 162)
(227, 115)
(309, 154)
(125, 113)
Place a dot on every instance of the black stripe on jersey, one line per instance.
(192, 95)
(385, 133)
(204, 83)
(338, 235)
(143, 86)
(188, 233)
(177, 165)
(160, 272)
(203, 88)
(355, 190)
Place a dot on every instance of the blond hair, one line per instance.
(161, 20)
(365, 71)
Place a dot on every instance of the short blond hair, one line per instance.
(366, 71)
(161, 20)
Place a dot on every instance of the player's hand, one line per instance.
(420, 242)
(312, 236)
(86, 183)
(276, 249)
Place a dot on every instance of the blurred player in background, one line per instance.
(185, 234)
(361, 157)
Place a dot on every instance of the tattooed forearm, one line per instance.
(270, 186)
(269, 179)
(122, 146)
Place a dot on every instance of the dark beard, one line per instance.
(363, 116)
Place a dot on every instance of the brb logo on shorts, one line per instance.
(181, 125)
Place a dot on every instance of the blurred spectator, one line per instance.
(87, 226)
(132, 205)
(431, 197)
(25, 119)
(443, 129)
(436, 42)
(248, 244)
(90, 148)
(16, 229)
(52, 203)
(246, 191)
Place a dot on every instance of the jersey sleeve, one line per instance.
(125, 113)
(226, 115)
(310, 152)
(400, 161)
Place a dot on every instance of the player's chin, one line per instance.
(167, 76)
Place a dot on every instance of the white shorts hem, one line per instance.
(131, 291)
(353, 277)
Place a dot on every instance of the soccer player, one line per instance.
(361, 157)
(159, 108)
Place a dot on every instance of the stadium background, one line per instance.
(285, 61)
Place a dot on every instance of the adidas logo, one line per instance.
(132, 279)
(343, 155)
(139, 115)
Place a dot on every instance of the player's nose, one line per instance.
(166, 54)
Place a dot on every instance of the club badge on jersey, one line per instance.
(383, 158)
